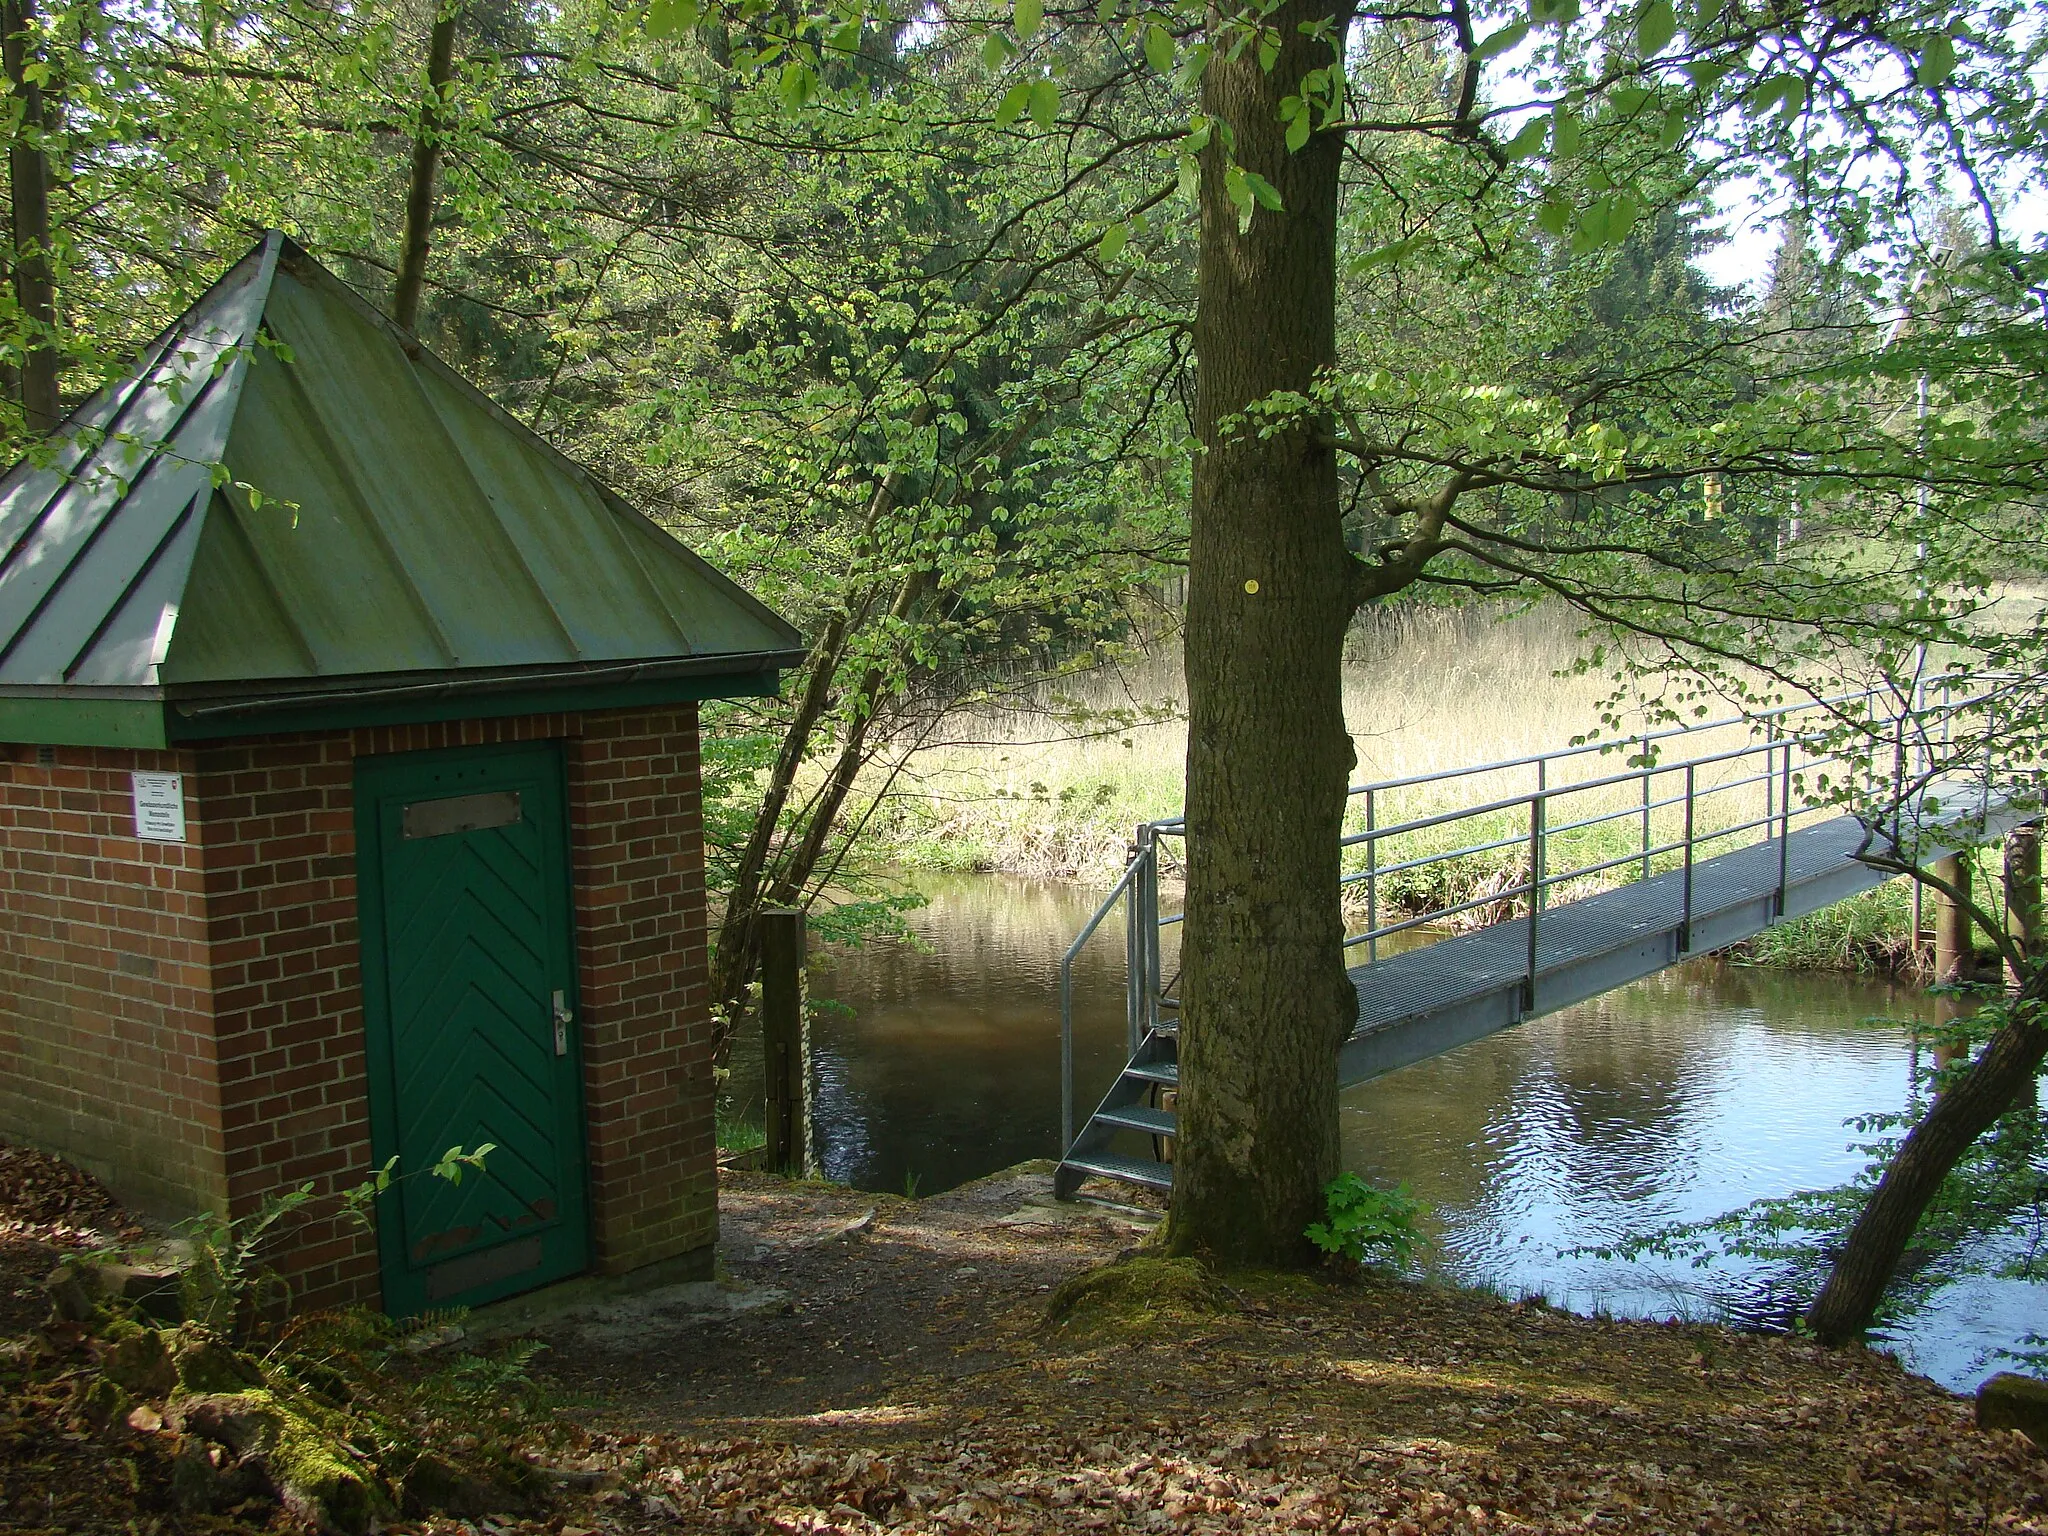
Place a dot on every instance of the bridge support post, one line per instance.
(2023, 892)
(1955, 955)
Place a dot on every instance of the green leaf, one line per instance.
(1188, 176)
(1564, 132)
(1937, 61)
(1655, 28)
(1530, 140)
(1708, 73)
(1240, 195)
(1555, 216)
(1266, 194)
(1608, 220)
(1298, 131)
(1269, 49)
(1027, 17)
(665, 18)
(1786, 92)
(1497, 43)
(1385, 254)
(1159, 49)
(797, 84)
(1114, 239)
(1045, 102)
(997, 51)
(1014, 101)
(1705, 14)
(1192, 65)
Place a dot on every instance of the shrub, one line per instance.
(1366, 1224)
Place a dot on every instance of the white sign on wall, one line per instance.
(160, 807)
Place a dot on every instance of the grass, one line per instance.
(1870, 932)
(1424, 690)
(737, 1129)
(1056, 788)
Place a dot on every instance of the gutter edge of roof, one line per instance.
(261, 696)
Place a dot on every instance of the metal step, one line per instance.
(1165, 1072)
(1136, 1117)
(1131, 1170)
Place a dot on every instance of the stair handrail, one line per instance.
(1141, 860)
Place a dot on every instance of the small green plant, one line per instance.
(910, 1184)
(1367, 1224)
(225, 1278)
(737, 1128)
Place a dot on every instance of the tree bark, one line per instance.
(1964, 1111)
(1266, 1001)
(734, 953)
(28, 173)
(426, 163)
(788, 886)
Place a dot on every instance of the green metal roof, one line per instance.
(409, 551)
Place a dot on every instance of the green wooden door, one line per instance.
(469, 994)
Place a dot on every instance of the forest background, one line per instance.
(922, 386)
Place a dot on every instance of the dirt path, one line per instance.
(834, 1299)
(902, 1376)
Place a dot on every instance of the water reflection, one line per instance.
(1677, 1098)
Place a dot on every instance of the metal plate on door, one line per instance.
(462, 813)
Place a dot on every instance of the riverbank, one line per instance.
(909, 1377)
(871, 1363)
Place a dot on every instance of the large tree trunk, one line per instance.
(28, 174)
(1964, 1111)
(1266, 1002)
(426, 165)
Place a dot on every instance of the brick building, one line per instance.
(349, 808)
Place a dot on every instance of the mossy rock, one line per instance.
(205, 1364)
(316, 1475)
(322, 1480)
(99, 1401)
(138, 1361)
(1136, 1293)
(2008, 1401)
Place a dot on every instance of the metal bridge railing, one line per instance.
(1703, 794)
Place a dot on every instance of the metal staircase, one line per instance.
(1133, 1107)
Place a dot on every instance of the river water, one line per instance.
(1675, 1099)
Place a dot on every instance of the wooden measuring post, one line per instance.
(785, 1041)
(2023, 892)
(1955, 957)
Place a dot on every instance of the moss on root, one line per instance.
(1137, 1292)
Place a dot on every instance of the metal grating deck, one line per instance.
(1426, 1001)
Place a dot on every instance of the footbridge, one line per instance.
(1478, 897)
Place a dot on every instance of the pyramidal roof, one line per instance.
(290, 513)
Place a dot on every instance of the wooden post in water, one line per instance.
(2023, 889)
(785, 1042)
(1955, 956)
(2023, 908)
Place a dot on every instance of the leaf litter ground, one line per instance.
(871, 1363)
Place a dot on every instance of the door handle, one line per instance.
(564, 1016)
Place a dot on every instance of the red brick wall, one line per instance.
(639, 860)
(106, 1044)
(273, 862)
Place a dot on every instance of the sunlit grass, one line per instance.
(1026, 791)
